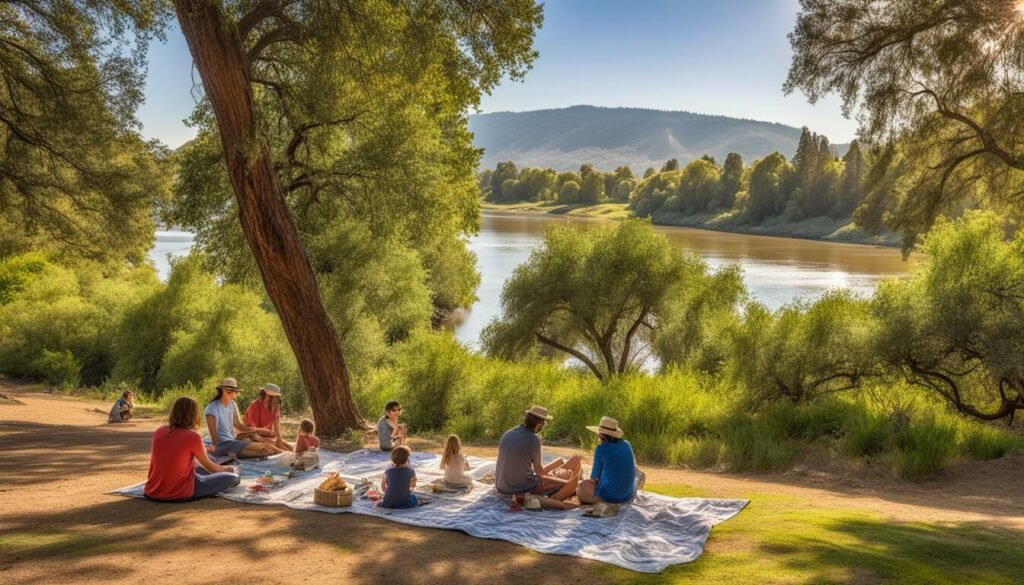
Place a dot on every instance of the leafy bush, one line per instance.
(983, 442)
(58, 368)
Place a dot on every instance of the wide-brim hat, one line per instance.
(539, 412)
(271, 389)
(609, 426)
(228, 384)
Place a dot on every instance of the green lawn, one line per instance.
(785, 539)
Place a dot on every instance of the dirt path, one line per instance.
(57, 526)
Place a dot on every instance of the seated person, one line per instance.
(264, 414)
(122, 409)
(454, 464)
(307, 440)
(399, 481)
(173, 476)
(223, 421)
(520, 467)
(613, 478)
(390, 433)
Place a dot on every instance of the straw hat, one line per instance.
(609, 426)
(539, 412)
(271, 389)
(228, 383)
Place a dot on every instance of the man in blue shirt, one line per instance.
(613, 478)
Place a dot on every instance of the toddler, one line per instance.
(399, 481)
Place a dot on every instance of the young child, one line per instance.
(390, 432)
(399, 481)
(307, 440)
(454, 464)
(122, 409)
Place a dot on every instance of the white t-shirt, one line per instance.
(455, 472)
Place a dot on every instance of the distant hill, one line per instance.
(609, 137)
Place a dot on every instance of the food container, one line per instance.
(333, 499)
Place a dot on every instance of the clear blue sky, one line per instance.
(726, 57)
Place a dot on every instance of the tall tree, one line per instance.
(850, 193)
(286, 48)
(732, 180)
(945, 79)
(74, 175)
(767, 179)
(550, 300)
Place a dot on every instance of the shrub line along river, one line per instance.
(776, 270)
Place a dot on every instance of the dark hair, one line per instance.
(391, 405)
(126, 393)
(533, 422)
(184, 414)
(220, 392)
(400, 455)
(306, 426)
(608, 438)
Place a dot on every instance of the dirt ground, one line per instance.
(58, 458)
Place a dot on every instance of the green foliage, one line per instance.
(569, 192)
(58, 368)
(805, 350)
(954, 328)
(592, 294)
(77, 178)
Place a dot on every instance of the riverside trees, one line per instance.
(323, 110)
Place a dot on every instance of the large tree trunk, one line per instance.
(266, 220)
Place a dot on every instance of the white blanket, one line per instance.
(647, 535)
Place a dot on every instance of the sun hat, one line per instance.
(539, 412)
(609, 426)
(228, 384)
(271, 389)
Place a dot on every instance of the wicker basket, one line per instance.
(336, 499)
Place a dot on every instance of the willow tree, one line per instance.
(938, 87)
(598, 296)
(274, 67)
(75, 177)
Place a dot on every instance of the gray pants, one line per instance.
(210, 484)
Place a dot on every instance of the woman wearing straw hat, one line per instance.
(222, 419)
(613, 477)
(264, 414)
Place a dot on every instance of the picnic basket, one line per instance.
(333, 499)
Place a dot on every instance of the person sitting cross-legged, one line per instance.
(614, 475)
(264, 414)
(173, 474)
(222, 419)
(520, 467)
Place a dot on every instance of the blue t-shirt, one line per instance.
(225, 415)
(399, 487)
(615, 471)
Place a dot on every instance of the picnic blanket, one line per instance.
(648, 535)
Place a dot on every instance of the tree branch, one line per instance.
(573, 352)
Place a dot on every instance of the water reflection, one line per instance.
(776, 270)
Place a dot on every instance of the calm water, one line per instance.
(776, 270)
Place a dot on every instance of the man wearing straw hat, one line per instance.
(520, 467)
(614, 475)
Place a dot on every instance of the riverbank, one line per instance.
(819, 228)
(57, 524)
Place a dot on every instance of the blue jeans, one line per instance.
(210, 484)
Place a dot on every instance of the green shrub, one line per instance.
(983, 442)
(57, 368)
(921, 447)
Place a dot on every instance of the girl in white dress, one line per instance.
(454, 464)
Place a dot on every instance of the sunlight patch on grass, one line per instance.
(786, 539)
(45, 544)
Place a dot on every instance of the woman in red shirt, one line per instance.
(265, 414)
(173, 476)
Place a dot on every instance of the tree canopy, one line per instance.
(75, 177)
(597, 295)
(939, 83)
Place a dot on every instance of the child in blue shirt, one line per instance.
(399, 481)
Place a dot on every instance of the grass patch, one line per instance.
(46, 544)
(784, 539)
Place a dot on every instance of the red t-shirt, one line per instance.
(171, 463)
(306, 442)
(258, 415)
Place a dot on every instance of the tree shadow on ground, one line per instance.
(37, 454)
(100, 541)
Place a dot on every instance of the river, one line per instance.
(776, 270)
